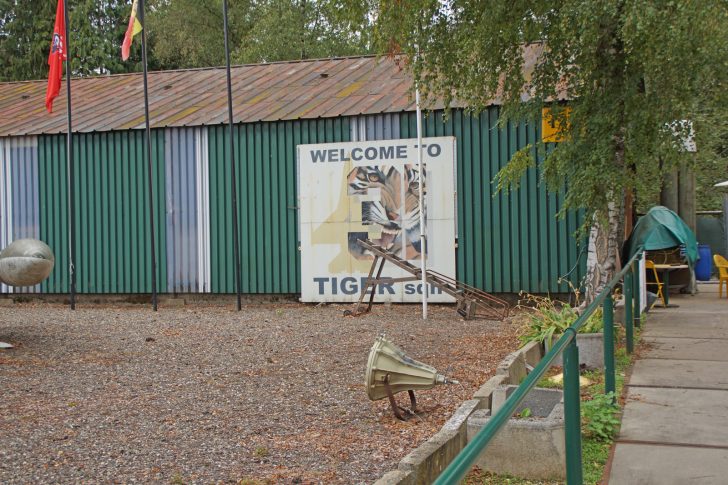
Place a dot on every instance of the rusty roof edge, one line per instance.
(222, 123)
(209, 68)
(348, 86)
(51, 131)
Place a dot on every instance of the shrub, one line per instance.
(599, 417)
(547, 317)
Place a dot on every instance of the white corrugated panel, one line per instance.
(203, 211)
(19, 197)
(187, 207)
(375, 127)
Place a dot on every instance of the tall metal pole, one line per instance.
(572, 414)
(628, 314)
(69, 164)
(637, 292)
(608, 337)
(233, 168)
(725, 218)
(148, 143)
(423, 220)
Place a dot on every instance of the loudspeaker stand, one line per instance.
(396, 408)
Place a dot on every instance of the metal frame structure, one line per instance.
(469, 299)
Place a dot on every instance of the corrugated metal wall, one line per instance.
(188, 228)
(507, 242)
(19, 212)
(267, 198)
(375, 127)
(112, 211)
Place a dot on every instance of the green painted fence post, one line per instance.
(609, 371)
(637, 293)
(572, 413)
(628, 315)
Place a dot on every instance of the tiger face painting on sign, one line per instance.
(370, 190)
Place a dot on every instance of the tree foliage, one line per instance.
(304, 29)
(96, 31)
(628, 68)
(181, 33)
(25, 37)
(188, 33)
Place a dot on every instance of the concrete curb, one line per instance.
(532, 353)
(514, 367)
(425, 463)
(591, 351)
(485, 393)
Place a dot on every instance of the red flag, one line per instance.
(56, 57)
(135, 26)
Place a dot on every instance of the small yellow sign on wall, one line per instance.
(551, 127)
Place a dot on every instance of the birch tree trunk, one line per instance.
(603, 259)
(603, 252)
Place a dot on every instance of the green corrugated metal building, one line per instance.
(506, 243)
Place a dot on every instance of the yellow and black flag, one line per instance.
(135, 26)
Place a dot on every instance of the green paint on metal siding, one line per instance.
(506, 242)
(505, 219)
(267, 202)
(113, 249)
(54, 209)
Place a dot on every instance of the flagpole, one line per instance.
(148, 143)
(233, 168)
(423, 221)
(69, 163)
(421, 171)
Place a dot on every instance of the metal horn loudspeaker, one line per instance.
(390, 370)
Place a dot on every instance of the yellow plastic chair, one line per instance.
(650, 265)
(722, 265)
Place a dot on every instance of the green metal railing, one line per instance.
(464, 461)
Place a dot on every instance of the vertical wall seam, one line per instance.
(6, 198)
(203, 210)
(169, 204)
(182, 159)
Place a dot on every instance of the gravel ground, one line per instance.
(203, 394)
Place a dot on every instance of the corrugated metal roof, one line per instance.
(261, 92)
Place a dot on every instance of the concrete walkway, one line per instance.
(675, 423)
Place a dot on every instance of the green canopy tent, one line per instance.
(661, 228)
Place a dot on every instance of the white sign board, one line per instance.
(370, 190)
